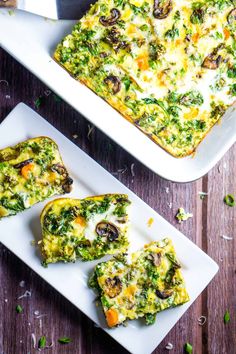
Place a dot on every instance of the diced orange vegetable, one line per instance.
(142, 62)
(112, 317)
(26, 170)
(80, 220)
(178, 42)
(226, 33)
(195, 37)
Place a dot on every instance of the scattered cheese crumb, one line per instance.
(75, 136)
(132, 170)
(90, 130)
(22, 283)
(169, 346)
(228, 238)
(182, 215)
(202, 195)
(150, 222)
(27, 293)
(202, 320)
(167, 189)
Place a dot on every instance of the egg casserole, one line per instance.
(31, 172)
(87, 229)
(167, 66)
(152, 282)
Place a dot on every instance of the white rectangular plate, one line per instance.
(32, 40)
(92, 179)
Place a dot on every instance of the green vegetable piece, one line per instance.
(233, 90)
(150, 318)
(172, 33)
(229, 200)
(226, 317)
(42, 342)
(64, 340)
(38, 102)
(231, 73)
(19, 309)
(182, 215)
(188, 348)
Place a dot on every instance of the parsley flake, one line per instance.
(64, 340)
(19, 309)
(226, 317)
(42, 342)
(188, 348)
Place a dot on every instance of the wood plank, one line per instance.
(211, 219)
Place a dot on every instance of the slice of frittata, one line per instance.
(152, 282)
(30, 172)
(167, 66)
(87, 229)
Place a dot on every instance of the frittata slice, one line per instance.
(168, 66)
(31, 172)
(87, 229)
(152, 282)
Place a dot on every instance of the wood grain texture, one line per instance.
(211, 220)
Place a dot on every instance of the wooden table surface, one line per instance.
(211, 220)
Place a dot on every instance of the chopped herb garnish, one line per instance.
(57, 98)
(188, 348)
(19, 309)
(229, 200)
(64, 340)
(182, 215)
(38, 102)
(42, 342)
(226, 317)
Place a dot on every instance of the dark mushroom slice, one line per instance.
(213, 60)
(156, 259)
(60, 169)
(231, 18)
(162, 8)
(164, 294)
(111, 20)
(106, 229)
(9, 154)
(114, 82)
(113, 286)
(23, 163)
(67, 185)
(173, 260)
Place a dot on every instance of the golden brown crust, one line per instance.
(8, 3)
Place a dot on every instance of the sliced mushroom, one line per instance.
(232, 17)
(106, 229)
(9, 154)
(23, 163)
(213, 60)
(156, 259)
(162, 8)
(111, 20)
(114, 82)
(113, 286)
(67, 185)
(60, 169)
(175, 263)
(164, 294)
